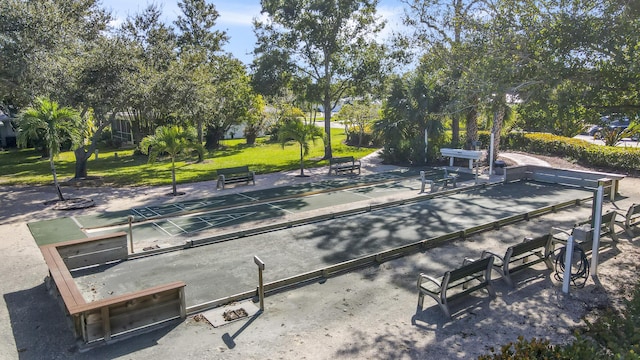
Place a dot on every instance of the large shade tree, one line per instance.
(440, 29)
(52, 124)
(330, 42)
(38, 42)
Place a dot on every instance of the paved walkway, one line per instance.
(522, 159)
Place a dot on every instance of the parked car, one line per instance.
(612, 123)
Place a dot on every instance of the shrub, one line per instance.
(584, 152)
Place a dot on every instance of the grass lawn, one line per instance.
(27, 167)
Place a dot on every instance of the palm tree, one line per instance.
(300, 132)
(47, 122)
(172, 140)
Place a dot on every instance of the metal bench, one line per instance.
(457, 283)
(632, 218)
(235, 175)
(436, 183)
(521, 256)
(344, 164)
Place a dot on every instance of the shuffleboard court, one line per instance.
(222, 201)
(226, 268)
(173, 219)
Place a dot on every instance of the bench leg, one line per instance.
(220, 184)
(420, 300)
(445, 308)
(490, 289)
(507, 279)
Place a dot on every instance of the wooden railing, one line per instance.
(118, 316)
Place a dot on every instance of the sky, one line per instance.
(235, 18)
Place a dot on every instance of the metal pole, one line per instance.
(260, 264)
(131, 233)
(597, 223)
(568, 259)
(422, 179)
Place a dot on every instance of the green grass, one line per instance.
(27, 167)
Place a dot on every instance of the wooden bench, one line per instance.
(632, 218)
(521, 256)
(583, 231)
(235, 175)
(344, 164)
(457, 283)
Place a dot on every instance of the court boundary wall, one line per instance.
(113, 318)
(579, 178)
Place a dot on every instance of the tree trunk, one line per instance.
(55, 179)
(82, 155)
(173, 177)
(327, 128)
(214, 134)
(455, 130)
(301, 161)
(498, 119)
(81, 162)
(327, 108)
(199, 129)
(472, 128)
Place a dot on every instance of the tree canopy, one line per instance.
(328, 44)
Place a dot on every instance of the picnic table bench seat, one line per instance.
(235, 175)
(471, 276)
(521, 256)
(344, 164)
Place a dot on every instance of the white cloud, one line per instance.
(242, 16)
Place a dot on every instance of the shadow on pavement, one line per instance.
(41, 330)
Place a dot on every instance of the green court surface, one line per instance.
(56, 230)
(192, 216)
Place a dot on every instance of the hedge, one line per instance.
(584, 152)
